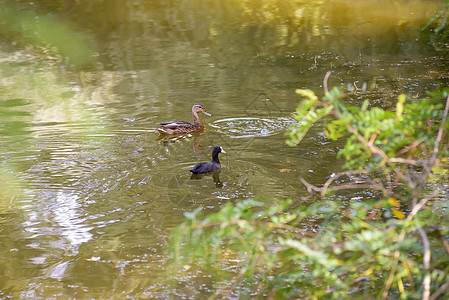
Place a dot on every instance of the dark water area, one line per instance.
(89, 193)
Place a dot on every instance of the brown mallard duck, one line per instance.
(182, 127)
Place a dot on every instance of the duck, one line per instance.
(183, 127)
(213, 165)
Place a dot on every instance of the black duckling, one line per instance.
(183, 127)
(213, 165)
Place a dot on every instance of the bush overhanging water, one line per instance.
(395, 246)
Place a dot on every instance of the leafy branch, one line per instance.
(386, 248)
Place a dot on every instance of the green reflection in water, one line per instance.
(22, 25)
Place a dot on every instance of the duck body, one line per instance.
(211, 166)
(183, 127)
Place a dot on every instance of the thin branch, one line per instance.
(426, 262)
(358, 186)
(418, 207)
(406, 161)
(439, 135)
(311, 187)
(326, 77)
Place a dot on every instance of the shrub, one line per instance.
(393, 247)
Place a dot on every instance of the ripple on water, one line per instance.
(244, 127)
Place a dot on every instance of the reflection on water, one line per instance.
(89, 192)
(215, 175)
(195, 137)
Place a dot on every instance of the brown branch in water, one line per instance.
(311, 187)
(358, 186)
(337, 175)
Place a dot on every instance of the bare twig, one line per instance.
(439, 135)
(326, 77)
(358, 186)
(406, 161)
(416, 208)
(426, 262)
(311, 187)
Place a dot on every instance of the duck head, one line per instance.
(198, 108)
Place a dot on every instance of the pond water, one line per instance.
(88, 190)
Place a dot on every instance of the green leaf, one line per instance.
(400, 106)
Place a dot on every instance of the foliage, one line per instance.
(356, 257)
(393, 247)
(378, 137)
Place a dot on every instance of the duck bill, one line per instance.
(222, 151)
(206, 113)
